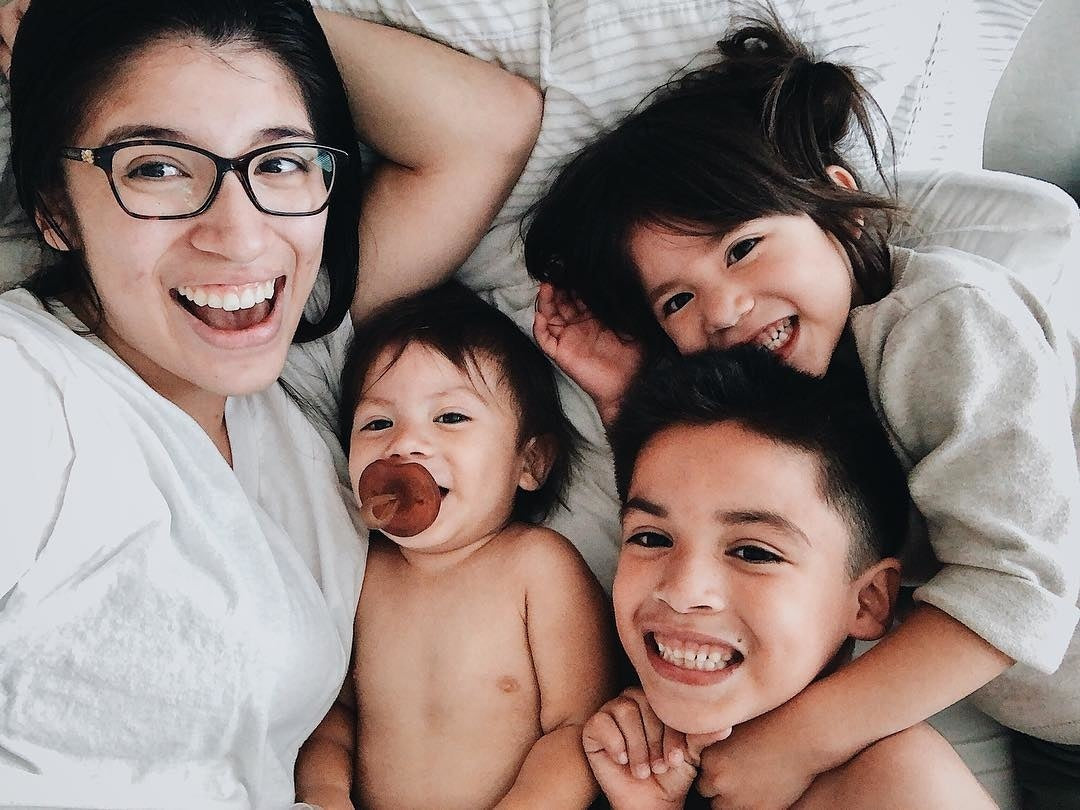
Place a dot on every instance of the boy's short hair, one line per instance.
(830, 418)
(456, 323)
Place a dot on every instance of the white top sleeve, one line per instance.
(978, 389)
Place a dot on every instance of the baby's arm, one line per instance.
(571, 642)
(324, 767)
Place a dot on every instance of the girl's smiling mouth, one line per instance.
(778, 335)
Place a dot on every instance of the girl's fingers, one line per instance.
(602, 735)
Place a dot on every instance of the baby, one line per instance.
(482, 642)
(761, 507)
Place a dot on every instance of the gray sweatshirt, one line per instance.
(976, 381)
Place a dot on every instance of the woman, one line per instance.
(180, 570)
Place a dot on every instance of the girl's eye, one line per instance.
(154, 170)
(649, 540)
(378, 424)
(676, 302)
(756, 554)
(452, 418)
(741, 249)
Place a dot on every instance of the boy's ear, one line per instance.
(876, 590)
(538, 458)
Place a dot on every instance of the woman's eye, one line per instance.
(452, 418)
(742, 248)
(649, 540)
(756, 554)
(378, 424)
(676, 302)
(154, 170)
(280, 164)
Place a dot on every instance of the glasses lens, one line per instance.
(162, 181)
(293, 179)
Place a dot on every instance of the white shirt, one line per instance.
(172, 629)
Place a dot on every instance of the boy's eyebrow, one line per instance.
(742, 517)
(643, 505)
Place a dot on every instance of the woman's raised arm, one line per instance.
(456, 132)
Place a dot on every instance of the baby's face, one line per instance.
(462, 428)
(732, 591)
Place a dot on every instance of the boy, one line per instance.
(761, 507)
(482, 643)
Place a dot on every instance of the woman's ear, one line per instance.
(52, 224)
(876, 590)
(537, 460)
(842, 177)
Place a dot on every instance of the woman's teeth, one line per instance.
(775, 335)
(229, 297)
(701, 657)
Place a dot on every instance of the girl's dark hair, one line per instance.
(68, 54)
(829, 417)
(456, 323)
(748, 136)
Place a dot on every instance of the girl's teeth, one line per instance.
(776, 336)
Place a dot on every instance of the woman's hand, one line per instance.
(11, 15)
(640, 763)
(593, 356)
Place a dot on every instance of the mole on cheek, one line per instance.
(508, 684)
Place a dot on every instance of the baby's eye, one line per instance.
(452, 418)
(741, 249)
(675, 303)
(755, 554)
(378, 424)
(649, 540)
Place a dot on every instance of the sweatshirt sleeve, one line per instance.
(35, 459)
(979, 392)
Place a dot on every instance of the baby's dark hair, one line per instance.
(456, 323)
(749, 136)
(828, 417)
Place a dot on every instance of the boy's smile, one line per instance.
(732, 591)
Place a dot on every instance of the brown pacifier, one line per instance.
(399, 499)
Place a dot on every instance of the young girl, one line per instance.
(725, 213)
(482, 642)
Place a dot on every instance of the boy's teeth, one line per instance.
(703, 657)
(775, 336)
(232, 298)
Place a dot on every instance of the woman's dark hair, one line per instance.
(829, 417)
(456, 323)
(748, 136)
(67, 54)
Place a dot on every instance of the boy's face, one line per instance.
(732, 591)
(462, 428)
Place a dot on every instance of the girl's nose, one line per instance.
(726, 306)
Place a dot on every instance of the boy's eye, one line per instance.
(741, 249)
(756, 554)
(649, 540)
(676, 302)
(452, 418)
(378, 424)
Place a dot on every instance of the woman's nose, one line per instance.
(232, 227)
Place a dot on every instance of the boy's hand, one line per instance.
(763, 764)
(11, 14)
(593, 356)
(640, 763)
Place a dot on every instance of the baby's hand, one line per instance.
(593, 356)
(11, 15)
(640, 763)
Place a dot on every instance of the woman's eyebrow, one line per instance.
(128, 132)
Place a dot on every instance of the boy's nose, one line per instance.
(692, 583)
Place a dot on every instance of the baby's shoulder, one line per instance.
(540, 553)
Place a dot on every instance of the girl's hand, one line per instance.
(593, 356)
(640, 763)
(11, 15)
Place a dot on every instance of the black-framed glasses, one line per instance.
(155, 179)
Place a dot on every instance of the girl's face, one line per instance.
(779, 282)
(150, 274)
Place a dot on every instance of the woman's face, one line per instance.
(151, 274)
